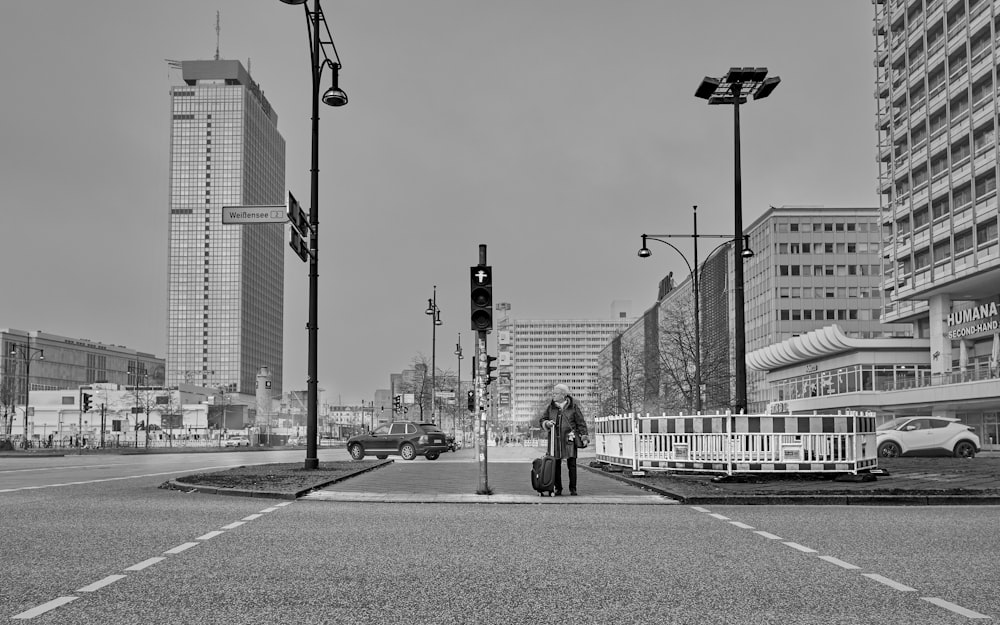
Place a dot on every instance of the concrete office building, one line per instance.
(225, 302)
(544, 352)
(813, 266)
(937, 106)
(47, 362)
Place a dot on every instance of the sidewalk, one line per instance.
(455, 479)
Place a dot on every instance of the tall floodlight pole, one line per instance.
(734, 88)
(333, 96)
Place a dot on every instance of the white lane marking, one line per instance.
(698, 509)
(888, 582)
(45, 607)
(112, 479)
(110, 579)
(252, 517)
(145, 564)
(232, 526)
(268, 510)
(282, 505)
(716, 515)
(957, 609)
(209, 535)
(78, 466)
(768, 535)
(800, 547)
(180, 548)
(742, 526)
(838, 562)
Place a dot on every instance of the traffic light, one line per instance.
(472, 401)
(481, 278)
(86, 402)
(490, 368)
(397, 402)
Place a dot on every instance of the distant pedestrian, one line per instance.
(565, 416)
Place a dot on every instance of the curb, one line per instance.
(173, 484)
(860, 499)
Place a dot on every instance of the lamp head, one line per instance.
(437, 318)
(747, 252)
(430, 307)
(334, 96)
(644, 252)
(294, 1)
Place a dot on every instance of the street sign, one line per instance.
(264, 214)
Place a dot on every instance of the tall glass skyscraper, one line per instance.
(225, 308)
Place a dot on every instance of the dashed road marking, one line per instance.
(716, 515)
(209, 535)
(768, 535)
(801, 548)
(699, 509)
(180, 548)
(145, 564)
(251, 517)
(957, 609)
(45, 607)
(268, 510)
(840, 563)
(233, 526)
(888, 582)
(110, 579)
(742, 526)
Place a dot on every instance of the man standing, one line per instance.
(564, 415)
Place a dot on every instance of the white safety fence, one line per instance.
(726, 443)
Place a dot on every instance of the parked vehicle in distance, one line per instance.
(236, 441)
(294, 440)
(407, 439)
(926, 436)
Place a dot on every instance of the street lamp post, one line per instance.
(27, 353)
(695, 272)
(458, 384)
(334, 96)
(734, 88)
(435, 313)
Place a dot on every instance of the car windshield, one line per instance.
(894, 424)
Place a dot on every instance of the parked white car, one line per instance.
(238, 441)
(926, 436)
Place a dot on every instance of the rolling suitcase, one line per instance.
(543, 471)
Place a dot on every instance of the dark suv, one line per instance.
(405, 438)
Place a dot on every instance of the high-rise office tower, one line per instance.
(937, 151)
(225, 302)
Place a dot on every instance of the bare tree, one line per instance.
(678, 363)
(7, 405)
(622, 385)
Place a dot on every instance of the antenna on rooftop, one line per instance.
(217, 29)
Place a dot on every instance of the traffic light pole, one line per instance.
(482, 286)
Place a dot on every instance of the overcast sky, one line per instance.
(555, 132)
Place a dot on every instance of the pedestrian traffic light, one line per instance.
(472, 401)
(481, 278)
(86, 402)
(490, 368)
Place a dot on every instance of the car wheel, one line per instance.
(965, 449)
(889, 449)
(357, 451)
(408, 451)
(381, 456)
(433, 455)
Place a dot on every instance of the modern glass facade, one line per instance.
(225, 302)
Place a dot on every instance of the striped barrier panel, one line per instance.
(740, 443)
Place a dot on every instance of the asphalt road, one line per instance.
(124, 551)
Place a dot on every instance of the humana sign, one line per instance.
(983, 319)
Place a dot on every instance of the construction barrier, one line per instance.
(727, 443)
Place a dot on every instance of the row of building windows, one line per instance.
(805, 226)
(827, 248)
(810, 314)
(829, 270)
